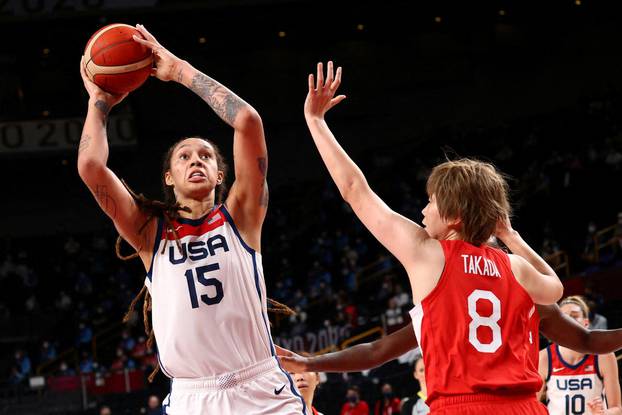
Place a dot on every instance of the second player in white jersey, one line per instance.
(569, 388)
(577, 383)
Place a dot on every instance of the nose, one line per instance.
(196, 161)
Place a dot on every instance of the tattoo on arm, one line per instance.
(106, 201)
(265, 195)
(85, 141)
(224, 102)
(180, 76)
(104, 108)
(262, 164)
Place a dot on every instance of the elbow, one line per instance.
(377, 355)
(88, 168)
(558, 291)
(249, 119)
(351, 187)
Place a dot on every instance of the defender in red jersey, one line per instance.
(473, 302)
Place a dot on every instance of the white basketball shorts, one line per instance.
(261, 389)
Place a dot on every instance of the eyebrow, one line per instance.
(186, 145)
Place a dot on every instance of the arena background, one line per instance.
(534, 87)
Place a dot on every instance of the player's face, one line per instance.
(306, 382)
(434, 225)
(419, 372)
(575, 312)
(194, 169)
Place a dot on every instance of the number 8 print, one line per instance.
(490, 321)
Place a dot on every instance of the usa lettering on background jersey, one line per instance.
(570, 387)
(482, 321)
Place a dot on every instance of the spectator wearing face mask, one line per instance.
(354, 404)
(389, 404)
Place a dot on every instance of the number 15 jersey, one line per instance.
(474, 327)
(208, 300)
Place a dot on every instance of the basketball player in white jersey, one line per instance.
(577, 383)
(203, 262)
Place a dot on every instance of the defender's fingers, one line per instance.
(311, 83)
(329, 73)
(337, 80)
(320, 75)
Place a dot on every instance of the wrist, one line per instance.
(100, 106)
(314, 118)
(508, 235)
(180, 72)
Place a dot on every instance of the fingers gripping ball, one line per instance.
(114, 61)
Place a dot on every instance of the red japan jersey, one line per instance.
(476, 327)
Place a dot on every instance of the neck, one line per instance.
(424, 390)
(199, 207)
(308, 397)
(452, 234)
(570, 356)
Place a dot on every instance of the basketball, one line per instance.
(114, 61)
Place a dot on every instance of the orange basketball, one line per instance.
(116, 62)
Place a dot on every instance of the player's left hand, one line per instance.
(166, 63)
(95, 92)
(292, 362)
(321, 96)
(596, 406)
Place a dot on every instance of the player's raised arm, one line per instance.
(248, 197)
(567, 332)
(401, 236)
(531, 271)
(110, 193)
(356, 358)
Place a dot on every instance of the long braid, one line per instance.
(153, 208)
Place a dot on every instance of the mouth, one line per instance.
(302, 385)
(197, 176)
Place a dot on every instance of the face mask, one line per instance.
(387, 395)
(351, 398)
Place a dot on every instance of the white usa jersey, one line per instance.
(570, 387)
(209, 310)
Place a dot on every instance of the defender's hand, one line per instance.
(321, 96)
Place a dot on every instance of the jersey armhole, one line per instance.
(520, 286)
(223, 209)
(156, 245)
(597, 367)
(549, 368)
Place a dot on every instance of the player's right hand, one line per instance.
(596, 406)
(95, 92)
(292, 362)
(503, 229)
(166, 63)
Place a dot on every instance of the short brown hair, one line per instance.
(577, 300)
(472, 191)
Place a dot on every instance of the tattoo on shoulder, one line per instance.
(224, 102)
(85, 141)
(107, 202)
(104, 108)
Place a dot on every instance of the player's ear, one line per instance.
(168, 178)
